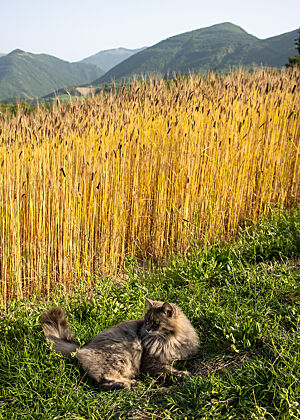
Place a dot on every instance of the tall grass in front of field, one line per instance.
(142, 172)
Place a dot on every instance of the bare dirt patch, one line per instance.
(86, 91)
(206, 367)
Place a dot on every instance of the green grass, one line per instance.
(242, 297)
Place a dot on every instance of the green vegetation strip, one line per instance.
(242, 297)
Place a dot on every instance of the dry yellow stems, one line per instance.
(139, 171)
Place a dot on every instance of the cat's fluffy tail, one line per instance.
(57, 330)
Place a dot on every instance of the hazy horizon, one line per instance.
(72, 31)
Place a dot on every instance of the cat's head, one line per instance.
(160, 318)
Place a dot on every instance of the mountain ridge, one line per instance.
(107, 59)
(27, 76)
(218, 47)
(225, 46)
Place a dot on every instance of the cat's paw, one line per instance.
(132, 383)
(183, 373)
(118, 384)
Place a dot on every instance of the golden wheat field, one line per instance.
(141, 171)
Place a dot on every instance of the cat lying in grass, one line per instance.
(117, 355)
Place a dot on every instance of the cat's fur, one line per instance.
(117, 355)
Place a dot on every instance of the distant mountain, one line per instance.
(1, 54)
(28, 76)
(219, 47)
(107, 59)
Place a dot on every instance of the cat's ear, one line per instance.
(168, 309)
(149, 302)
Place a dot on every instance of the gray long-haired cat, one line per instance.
(116, 356)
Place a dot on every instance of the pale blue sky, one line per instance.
(75, 29)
